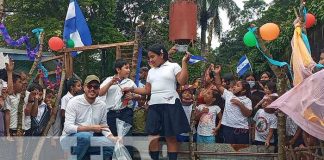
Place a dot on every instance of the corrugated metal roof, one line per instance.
(22, 62)
(21, 55)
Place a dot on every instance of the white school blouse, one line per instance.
(65, 99)
(11, 104)
(113, 97)
(163, 83)
(232, 116)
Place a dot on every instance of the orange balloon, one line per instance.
(269, 31)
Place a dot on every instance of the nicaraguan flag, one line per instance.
(76, 27)
(243, 65)
(194, 59)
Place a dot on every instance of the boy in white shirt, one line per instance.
(118, 103)
(15, 123)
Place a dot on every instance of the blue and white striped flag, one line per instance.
(195, 59)
(76, 27)
(243, 65)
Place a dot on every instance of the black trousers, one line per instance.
(125, 115)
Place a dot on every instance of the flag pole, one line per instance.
(250, 64)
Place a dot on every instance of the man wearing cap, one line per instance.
(85, 117)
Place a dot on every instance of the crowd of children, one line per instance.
(224, 110)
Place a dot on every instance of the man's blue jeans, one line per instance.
(87, 144)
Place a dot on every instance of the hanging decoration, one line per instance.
(270, 60)
(43, 73)
(301, 59)
(31, 53)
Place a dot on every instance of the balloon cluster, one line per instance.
(56, 43)
(268, 32)
(271, 31)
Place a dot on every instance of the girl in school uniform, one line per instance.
(166, 116)
(74, 87)
(206, 116)
(238, 107)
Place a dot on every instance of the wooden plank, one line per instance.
(99, 46)
(66, 63)
(70, 74)
(118, 52)
(52, 58)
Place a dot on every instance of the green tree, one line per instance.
(232, 46)
(154, 14)
(209, 10)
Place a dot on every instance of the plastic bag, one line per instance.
(120, 151)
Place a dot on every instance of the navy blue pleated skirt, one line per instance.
(166, 120)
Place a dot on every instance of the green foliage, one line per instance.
(279, 12)
(154, 14)
(316, 7)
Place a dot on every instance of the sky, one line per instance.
(225, 21)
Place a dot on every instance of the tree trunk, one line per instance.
(1, 10)
(210, 33)
(203, 24)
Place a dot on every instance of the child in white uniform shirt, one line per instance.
(3, 95)
(187, 104)
(118, 103)
(238, 107)
(74, 88)
(166, 116)
(12, 106)
(206, 115)
(265, 124)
